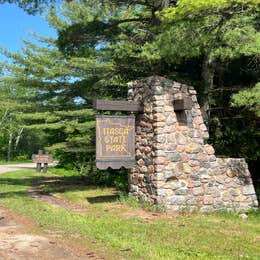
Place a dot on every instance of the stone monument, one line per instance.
(175, 166)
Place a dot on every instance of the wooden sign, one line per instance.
(115, 141)
(42, 158)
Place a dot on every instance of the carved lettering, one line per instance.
(115, 140)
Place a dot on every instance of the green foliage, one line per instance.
(11, 126)
(84, 165)
(216, 29)
(216, 35)
(112, 32)
(97, 52)
(64, 172)
(230, 142)
(239, 136)
(54, 104)
(119, 179)
(248, 98)
(31, 6)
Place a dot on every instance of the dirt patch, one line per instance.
(16, 243)
(40, 195)
(146, 215)
(37, 193)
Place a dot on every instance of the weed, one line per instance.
(141, 203)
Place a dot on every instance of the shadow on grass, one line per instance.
(10, 194)
(103, 199)
(16, 182)
(54, 184)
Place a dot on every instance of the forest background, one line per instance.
(47, 88)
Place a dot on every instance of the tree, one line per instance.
(215, 31)
(11, 126)
(31, 6)
(114, 32)
(52, 99)
(217, 45)
(249, 99)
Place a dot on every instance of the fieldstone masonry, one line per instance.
(175, 166)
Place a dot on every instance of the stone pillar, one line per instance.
(175, 167)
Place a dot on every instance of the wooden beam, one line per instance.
(182, 104)
(109, 105)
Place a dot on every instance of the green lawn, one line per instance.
(116, 232)
(14, 162)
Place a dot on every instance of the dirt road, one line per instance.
(17, 242)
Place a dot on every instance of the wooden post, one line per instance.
(38, 167)
(45, 167)
(109, 105)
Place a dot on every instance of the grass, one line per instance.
(126, 236)
(14, 162)
(65, 173)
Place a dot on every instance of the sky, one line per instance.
(16, 24)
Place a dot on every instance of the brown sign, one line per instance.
(42, 158)
(115, 141)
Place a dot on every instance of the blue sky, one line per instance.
(16, 24)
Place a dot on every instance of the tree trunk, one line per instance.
(162, 4)
(159, 5)
(208, 73)
(3, 119)
(18, 138)
(9, 152)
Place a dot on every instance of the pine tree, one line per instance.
(52, 100)
(213, 31)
